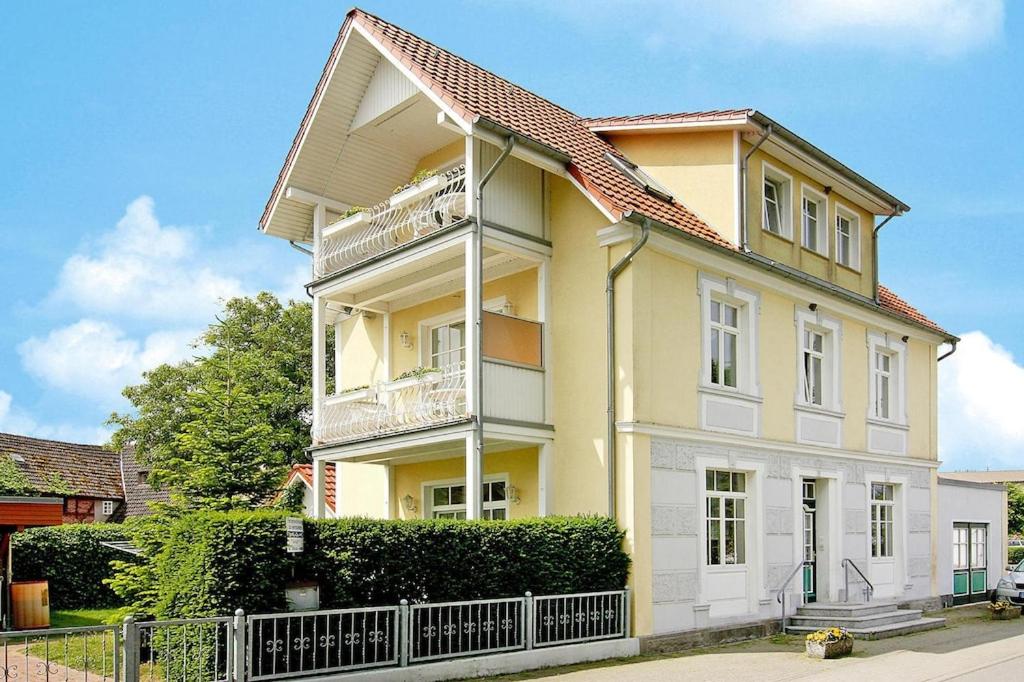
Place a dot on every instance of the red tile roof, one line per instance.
(668, 119)
(330, 484)
(889, 300)
(473, 92)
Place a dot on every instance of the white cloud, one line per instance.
(13, 420)
(934, 27)
(142, 269)
(981, 391)
(95, 359)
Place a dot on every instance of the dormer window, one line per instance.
(639, 177)
(776, 214)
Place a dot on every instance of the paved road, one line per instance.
(970, 648)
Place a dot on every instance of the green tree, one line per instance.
(221, 430)
(1015, 508)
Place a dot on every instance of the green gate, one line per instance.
(970, 562)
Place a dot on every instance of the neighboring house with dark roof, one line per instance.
(672, 319)
(86, 477)
(987, 476)
(139, 495)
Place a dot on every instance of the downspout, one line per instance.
(609, 291)
(744, 244)
(478, 277)
(299, 247)
(874, 250)
(949, 352)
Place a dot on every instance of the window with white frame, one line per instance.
(108, 507)
(725, 517)
(847, 238)
(729, 336)
(724, 342)
(882, 515)
(818, 360)
(448, 501)
(884, 384)
(813, 366)
(448, 344)
(813, 217)
(960, 547)
(776, 213)
(979, 539)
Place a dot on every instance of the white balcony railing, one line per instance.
(433, 398)
(414, 212)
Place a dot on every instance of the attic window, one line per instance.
(639, 177)
(17, 458)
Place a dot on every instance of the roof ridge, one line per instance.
(371, 15)
(102, 448)
(694, 112)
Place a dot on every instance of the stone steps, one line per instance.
(877, 620)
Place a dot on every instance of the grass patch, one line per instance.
(83, 618)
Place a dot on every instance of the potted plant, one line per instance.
(829, 643)
(1001, 609)
(423, 182)
(355, 216)
(414, 377)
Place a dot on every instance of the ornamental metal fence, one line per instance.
(309, 643)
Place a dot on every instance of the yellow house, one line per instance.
(675, 320)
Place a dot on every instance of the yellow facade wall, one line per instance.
(578, 269)
(699, 168)
(436, 159)
(519, 465)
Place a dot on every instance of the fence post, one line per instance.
(528, 616)
(130, 640)
(626, 614)
(118, 675)
(405, 628)
(238, 651)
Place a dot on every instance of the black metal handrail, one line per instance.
(781, 597)
(869, 589)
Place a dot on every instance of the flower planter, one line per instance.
(409, 194)
(824, 650)
(1006, 614)
(349, 224)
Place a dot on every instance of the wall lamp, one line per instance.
(405, 340)
(409, 504)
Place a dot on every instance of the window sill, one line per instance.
(726, 568)
(782, 237)
(849, 268)
(875, 421)
(819, 254)
(817, 409)
(730, 393)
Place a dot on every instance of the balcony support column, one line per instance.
(474, 400)
(545, 479)
(474, 479)
(319, 388)
(320, 489)
(338, 347)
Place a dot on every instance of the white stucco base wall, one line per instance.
(974, 503)
(689, 594)
(496, 664)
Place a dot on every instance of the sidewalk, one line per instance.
(970, 648)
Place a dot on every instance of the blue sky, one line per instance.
(140, 142)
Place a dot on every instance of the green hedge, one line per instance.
(71, 558)
(1015, 555)
(215, 562)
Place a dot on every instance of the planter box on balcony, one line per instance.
(824, 650)
(428, 378)
(361, 395)
(349, 224)
(410, 194)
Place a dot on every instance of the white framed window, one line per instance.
(960, 547)
(819, 358)
(108, 507)
(729, 339)
(883, 501)
(724, 327)
(847, 238)
(448, 344)
(887, 372)
(979, 543)
(813, 219)
(448, 499)
(725, 517)
(776, 202)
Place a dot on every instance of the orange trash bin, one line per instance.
(30, 603)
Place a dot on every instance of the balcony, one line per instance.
(513, 386)
(414, 212)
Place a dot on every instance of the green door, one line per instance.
(970, 562)
(810, 538)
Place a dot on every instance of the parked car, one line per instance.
(1015, 542)
(1011, 586)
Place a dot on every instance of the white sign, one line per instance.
(293, 529)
